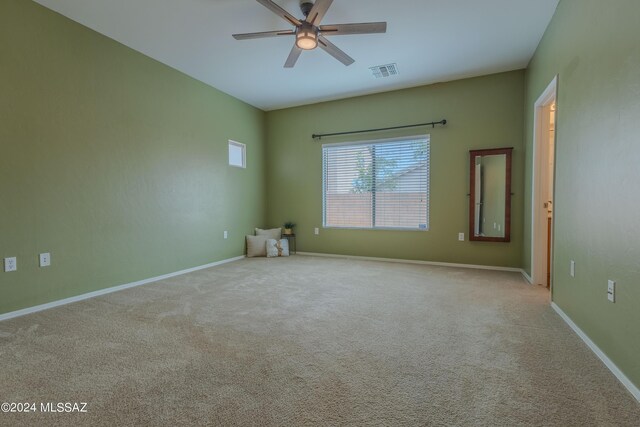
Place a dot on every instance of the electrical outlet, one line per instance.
(461, 237)
(10, 264)
(226, 234)
(611, 291)
(45, 259)
(572, 268)
(316, 231)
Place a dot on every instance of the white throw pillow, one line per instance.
(277, 248)
(256, 246)
(272, 233)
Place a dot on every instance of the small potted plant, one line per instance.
(288, 227)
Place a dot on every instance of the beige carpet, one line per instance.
(312, 341)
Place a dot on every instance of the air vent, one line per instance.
(381, 71)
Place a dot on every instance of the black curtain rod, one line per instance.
(433, 124)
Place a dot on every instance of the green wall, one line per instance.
(594, 48)
(113, 162)
(484, 112)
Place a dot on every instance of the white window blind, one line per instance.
(379, 184)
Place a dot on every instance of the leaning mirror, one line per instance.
(490, 195)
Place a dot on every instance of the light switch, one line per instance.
(572, 268)
(611, 291)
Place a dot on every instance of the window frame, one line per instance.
(243, 147)
(426, 136)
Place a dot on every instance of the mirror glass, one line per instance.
(490, 197)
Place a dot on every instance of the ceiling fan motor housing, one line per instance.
(305, 6)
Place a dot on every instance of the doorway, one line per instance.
(544, 141)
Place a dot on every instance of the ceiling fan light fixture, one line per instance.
(306, 38)
(308, 32)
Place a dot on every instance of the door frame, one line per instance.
(539, 182)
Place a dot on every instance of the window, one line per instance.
(377, 184)
(237, 154)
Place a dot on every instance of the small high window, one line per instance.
(237, 154)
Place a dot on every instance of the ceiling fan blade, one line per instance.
(333, 50)
(361, 28)
(263, 34)
(318, 11)
(293, 57)
(280, 12)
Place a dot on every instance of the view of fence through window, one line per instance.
(380, 184)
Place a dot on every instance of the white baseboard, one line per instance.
(105, 291)
(635, 391)
(527, 277)
(412, 261)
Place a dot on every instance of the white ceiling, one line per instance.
(430, 40)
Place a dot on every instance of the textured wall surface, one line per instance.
(112, 162)
(594, 49)
(484, 112)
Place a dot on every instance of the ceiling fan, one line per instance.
(310, 34)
